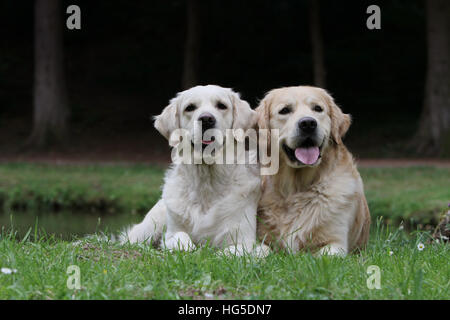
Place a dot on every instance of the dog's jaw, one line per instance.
(291, 158)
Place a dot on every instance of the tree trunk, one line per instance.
(191, 53)
(317, 44)
(50, 111)
(433, 134)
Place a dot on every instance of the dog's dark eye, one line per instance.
(190, 107)
(318, 109)
(285, 110)
(221, 106)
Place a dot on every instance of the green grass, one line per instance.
(104, 188)
(112, 271)
(418, 193)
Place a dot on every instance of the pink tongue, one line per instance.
(207, 141)
(307, 155)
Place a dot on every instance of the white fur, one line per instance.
(205, 203)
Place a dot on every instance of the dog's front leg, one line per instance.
(337, 245)
(243, 237)
(176, 238)
(150, 229)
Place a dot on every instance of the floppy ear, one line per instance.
(263, 117)
(243, 116)
(340, 122)
(263, 114)
(168, 120)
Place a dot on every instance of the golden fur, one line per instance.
(317, 207)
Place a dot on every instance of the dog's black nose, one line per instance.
(208, 120)
(307, 125)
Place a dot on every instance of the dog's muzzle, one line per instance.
(208, 121)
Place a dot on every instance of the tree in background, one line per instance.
(317, 44)
(433, 134)
(191, 51)
(50, 113)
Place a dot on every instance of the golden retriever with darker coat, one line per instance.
(316, 200)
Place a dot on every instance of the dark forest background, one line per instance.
(129, 59)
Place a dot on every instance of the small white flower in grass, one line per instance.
(8, 270)
(391, 253)
(420, 246)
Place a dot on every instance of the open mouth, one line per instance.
(206, 142)
(308, 153)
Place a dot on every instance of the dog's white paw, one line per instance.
(179, 241)
(333, 250)
(258, 251)
(261, 251)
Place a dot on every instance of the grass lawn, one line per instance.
(107, 188)
(112, 271)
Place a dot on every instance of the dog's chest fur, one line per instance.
(203, 198)
(308, 216)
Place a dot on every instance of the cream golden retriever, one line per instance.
(316, 200)
(205, 202)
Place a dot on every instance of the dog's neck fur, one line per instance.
(211, 176)
(204, 175)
